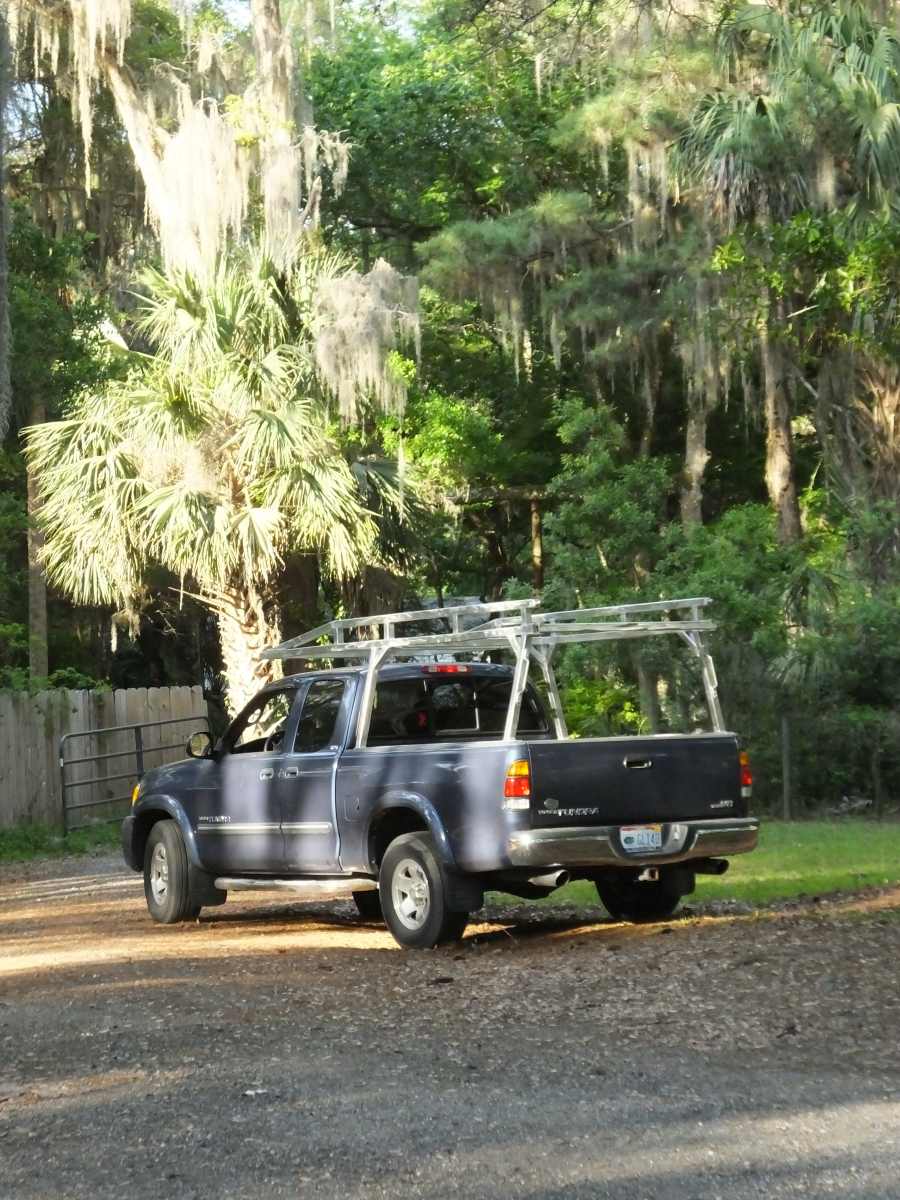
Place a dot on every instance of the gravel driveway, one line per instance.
(283, 1050)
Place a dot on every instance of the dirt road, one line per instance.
(283, 1050)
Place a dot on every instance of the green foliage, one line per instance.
(440, 131)
(57, 346)
(57, 350)
(604, 531)
(602, 708)
(841, 277)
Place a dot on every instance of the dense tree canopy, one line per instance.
(653, 349)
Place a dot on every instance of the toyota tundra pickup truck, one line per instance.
(416, 786)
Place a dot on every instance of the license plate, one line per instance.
(641, 837)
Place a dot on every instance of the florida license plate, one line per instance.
(641, 837)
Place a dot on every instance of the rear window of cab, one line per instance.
(440, 709)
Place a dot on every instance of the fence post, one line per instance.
(139, 751)
(62, 785)
(785, 767)
(877, 783)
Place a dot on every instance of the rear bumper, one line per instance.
(601, 845)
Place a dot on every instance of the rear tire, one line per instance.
(368, 905)
(414, 894)
(167, 876)
(627, 900)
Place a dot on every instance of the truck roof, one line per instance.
(407, 670)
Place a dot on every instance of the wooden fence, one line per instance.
(31, 726)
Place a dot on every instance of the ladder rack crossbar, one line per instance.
(579, 616)
(389, 621)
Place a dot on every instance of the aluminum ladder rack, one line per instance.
(514, 625)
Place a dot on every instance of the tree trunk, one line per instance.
(780, 482)
(246, 628)
(648, 690)
(5, 387)
(696, 456)
(703, 395)
(537, 545)
(650, 392)
(38, 665)
(299, 594)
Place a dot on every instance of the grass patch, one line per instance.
(24, 842)
(793, 859)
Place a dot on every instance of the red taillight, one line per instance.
(746, 773)
(517, 786)
(446, 669)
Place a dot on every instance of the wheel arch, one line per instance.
(160, 808)
(405, 813)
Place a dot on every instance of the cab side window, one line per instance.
(319, 716)
(260, 728)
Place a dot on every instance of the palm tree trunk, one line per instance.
(298, 590)
(246, 628)
(38, 665)
(780, 482)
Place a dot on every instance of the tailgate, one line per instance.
(614, 781)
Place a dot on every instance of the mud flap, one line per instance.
(203, 889)
(465, 893)
(680, 879)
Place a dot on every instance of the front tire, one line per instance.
(625, 899)
(413, 893)
(167, 876)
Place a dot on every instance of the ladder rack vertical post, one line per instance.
(377, 655)
(710, 684)
(521, 648)
(544, 659)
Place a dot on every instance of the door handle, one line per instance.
(268, 773)
(637, 764)
(290, 772)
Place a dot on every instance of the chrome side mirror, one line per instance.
(199, 744)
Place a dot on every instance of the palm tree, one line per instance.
(211, 458)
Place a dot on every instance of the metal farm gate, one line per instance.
(106, 784)
(74, 756)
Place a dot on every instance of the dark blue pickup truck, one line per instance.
(425, 804)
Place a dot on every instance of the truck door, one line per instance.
(306, 779)
(239, 825)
